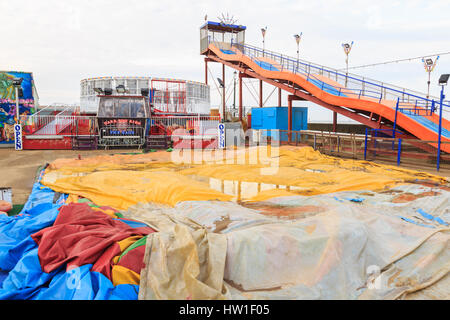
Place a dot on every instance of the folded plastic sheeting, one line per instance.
(320, 247)
(21, 267)
(81, 235)
(182, 260)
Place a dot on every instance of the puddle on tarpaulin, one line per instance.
(240, 190)
(243, 190)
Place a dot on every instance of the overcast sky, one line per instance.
(62, 42)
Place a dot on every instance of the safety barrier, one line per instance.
(60, 124)
(196, 125)
(369, 147)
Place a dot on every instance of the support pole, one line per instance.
(279, 97)
(289, 117)
(399, 151)
(365, 146)
(206, 71)
(240, 96)
(395, 122)
(395, 117)
(260, 93)
(440, 130)
(16, 112)
(334, 121)
(223, 93)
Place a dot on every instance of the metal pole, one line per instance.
(289, 116)
(395, 118)
(16, 113)
(440, 130)
(223, 93)
(365, 146)
(399, 151)
(346, 74)
(314, 141)
(206, 71)
(260, 93)
(334, 121)
(234, 91)
(240, 97)
(279, 97)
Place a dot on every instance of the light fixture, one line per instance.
(121, 88)
(220, 82)
(347, 47)
(99, 90)
(107, 91)
(17, 81)
(429, 65)
(443, 79)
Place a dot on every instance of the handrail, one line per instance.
(372, 88)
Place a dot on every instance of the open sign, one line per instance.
(221, 133)
(18, 136)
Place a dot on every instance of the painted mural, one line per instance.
(8, 102)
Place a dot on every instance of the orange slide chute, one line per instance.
(424, 127)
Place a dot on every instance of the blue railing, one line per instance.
(351, 84)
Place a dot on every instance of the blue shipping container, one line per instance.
(277, 118)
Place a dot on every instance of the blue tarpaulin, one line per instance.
(21, 275)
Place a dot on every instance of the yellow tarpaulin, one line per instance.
(121, 181)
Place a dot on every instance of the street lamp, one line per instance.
(347, 48)
(17, 83)
(429, 66)
(263, 32)
(443, 79)
(298, 37)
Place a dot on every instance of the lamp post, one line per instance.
(298, 37)
(17, 83)
(263, 32)
(443, 79)
(347, 48)
(429, 66)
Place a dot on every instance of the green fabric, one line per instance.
(140, 242)
(15, 209)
